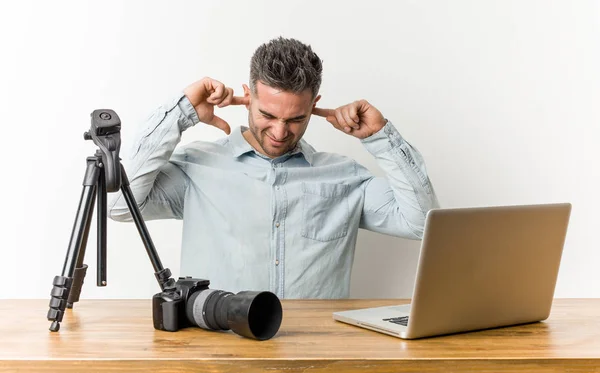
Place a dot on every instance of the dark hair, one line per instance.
(287, 64)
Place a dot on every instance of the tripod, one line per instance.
(104, 174)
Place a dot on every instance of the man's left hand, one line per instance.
(359, 119)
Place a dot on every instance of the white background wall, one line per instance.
(499, 96)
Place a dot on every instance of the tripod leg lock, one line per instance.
(58, 301)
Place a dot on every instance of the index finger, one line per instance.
(323, 112)
(236, 100)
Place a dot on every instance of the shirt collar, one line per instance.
(240, 146)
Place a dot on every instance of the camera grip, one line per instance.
(165, 313)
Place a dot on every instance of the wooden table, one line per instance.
(117, 335)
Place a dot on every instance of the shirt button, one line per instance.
(277, 224)
(277, 262)
(277, 187)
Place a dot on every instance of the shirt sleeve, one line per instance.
(396, 204)
(158, 185)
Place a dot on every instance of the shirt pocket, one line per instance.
(325, 211)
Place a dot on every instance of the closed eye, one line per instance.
(298, 119)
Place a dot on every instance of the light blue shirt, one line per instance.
(287, 225)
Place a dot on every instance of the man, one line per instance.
(261, 208)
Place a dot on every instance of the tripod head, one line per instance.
(105, 132)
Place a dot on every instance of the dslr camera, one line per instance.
(189, 302)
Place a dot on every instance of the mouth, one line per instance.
(276, 143)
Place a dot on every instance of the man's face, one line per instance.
(277, 118)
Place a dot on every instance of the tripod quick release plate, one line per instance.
(105, 131)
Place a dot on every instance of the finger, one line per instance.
(210, 85)
(217, 95)
(353, 112)
(348, 117)
(323, 112)
(220, 124)
(331, 119)
(236, 100)
(344, 126)
(227, 99)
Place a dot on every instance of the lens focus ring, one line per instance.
(198, 308)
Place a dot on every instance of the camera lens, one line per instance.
(251, 314)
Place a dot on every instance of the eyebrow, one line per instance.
(303, 116)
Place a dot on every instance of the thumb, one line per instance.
(220, 124)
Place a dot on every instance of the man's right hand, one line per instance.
(205, 94)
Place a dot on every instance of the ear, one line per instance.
(316, 100)
(248, 94)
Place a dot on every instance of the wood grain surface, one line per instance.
(118, 336)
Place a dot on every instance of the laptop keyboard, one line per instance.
(398, 320)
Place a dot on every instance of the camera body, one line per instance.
(169, 306)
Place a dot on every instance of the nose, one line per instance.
(279, 131)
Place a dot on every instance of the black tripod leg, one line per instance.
(101, 231)
(163, 275)
(80, 268)
(62, 284)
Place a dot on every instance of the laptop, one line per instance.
(479, 268)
